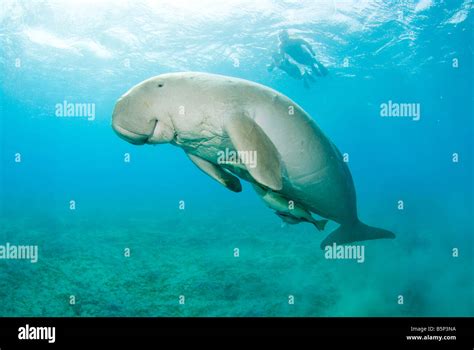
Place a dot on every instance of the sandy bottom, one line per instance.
(193, 256)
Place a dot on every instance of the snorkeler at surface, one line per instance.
(291, 68)
(300, 51)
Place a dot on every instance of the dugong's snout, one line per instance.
(129, 136)
(141, 115)
(129, 123)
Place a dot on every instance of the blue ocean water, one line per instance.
(92, 52)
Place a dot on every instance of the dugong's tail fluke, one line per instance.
(355, 233)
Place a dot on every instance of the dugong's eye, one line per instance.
(160, 85)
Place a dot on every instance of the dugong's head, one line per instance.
(140, 116)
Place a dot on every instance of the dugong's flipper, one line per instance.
(247, 136)
(217, 173)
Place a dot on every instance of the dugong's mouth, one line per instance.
(130, 136)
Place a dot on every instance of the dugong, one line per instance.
(296, 170)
